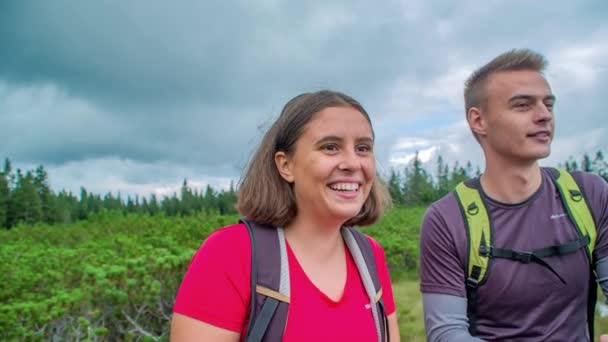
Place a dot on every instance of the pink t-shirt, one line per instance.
(216, 290)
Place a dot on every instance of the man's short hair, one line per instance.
(517, 59)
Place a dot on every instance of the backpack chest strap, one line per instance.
(536, 256)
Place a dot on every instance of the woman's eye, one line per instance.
(364, 148)
(330, 147)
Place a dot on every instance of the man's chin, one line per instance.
(544, 154)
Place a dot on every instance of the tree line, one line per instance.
(414, 185)
(26, 197)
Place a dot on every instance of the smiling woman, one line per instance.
(311, 180)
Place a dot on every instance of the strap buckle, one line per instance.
(472, 282)
(485, 250)
(525, 257)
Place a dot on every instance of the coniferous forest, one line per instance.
(26, 197)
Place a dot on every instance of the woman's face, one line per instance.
(332, 168)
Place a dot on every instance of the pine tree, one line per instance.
(4, 195)
(418, 186)
(210, 200)
(187, 200)
(571, 165)
(8, 172)
(26, 204)
(230, 199)
(153, 205)
(47, 197)
(586, 164)
(83, 205)
(130, 205)
(443, 181)
(67, 207)
(394, 187)
(600, 166)
(458, 175)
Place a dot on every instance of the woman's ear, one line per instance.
(283, 163)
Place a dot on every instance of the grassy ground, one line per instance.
(409, 310)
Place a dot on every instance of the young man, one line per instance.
(532, 281)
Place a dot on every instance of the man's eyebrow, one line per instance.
(550, 97)
(530, 97)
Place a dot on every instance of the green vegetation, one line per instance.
(408, 301)
(105, 269)
(112, 277)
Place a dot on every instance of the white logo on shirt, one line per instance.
(556, 216)
(367, 306)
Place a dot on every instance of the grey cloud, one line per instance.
(151, 53)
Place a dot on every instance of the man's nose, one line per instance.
(543, 113)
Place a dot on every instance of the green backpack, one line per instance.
(480, 242)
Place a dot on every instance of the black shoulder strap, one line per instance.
(268, 306)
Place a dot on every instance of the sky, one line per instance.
(136, 96)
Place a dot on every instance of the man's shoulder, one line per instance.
(443, 214)
(447, 203)
(583, 179)
(587, 178)
(593, 187)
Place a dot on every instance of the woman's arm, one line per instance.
(393, 327)
(186, 329)
(213, 299)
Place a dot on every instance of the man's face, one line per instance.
(517, 117)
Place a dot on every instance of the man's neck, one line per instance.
(511, 183)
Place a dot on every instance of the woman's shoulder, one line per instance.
(373, 242)
(229, 234)
(376, 247)
(231, 239)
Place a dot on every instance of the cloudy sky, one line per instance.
(135, 96)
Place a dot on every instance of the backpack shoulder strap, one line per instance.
(269, 283)
(479, 235)
(363, 255)
(576, 205)
(580, 214)
(478, 225)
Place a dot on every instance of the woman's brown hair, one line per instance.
(264, 196)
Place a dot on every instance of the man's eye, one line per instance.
(522, 105)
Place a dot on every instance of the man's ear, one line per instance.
(283, 163)
(477, 121)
